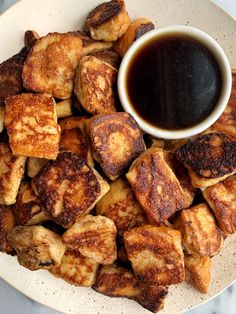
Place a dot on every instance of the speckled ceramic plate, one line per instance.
(64, 15)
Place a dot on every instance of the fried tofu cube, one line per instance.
(30, 38)
(227, 121)
(109, 56)
(93, 237)
(31, 125)
(222, 200)
(108, 21)
(64, 108)
(68, 187)
(1, 119)
(28, 209)
(37, 247)
(200, 234)
(7, 223)
(116, 141)
(135, 30)
(11, 75)
(34, 165)
(74, 138)
(200, 271)
(90, 45)
(115, 281)
(120, 205)
(209, 158)
(155, 185)
(94, 84)
(156, 254)
(182, 175)
(11, 173)
(51, 63)
(76, 269)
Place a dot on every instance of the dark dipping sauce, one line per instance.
(173, 82)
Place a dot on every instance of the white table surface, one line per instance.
(13, 302)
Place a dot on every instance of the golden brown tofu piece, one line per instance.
(11, 173)
(211, 157)
(68, 187)
(30, 38)
(11, 75)
(34, 165)
(64, 108)
(93, 237)
(156, 254)
(108, 21)
(116, 141)
(7, 223)
(200, 271)
(182, 175)
(90, 45)
(74, 138)
(120, 205)
(227, 121)
(135, 30)
(94, 83)
(109, 56)
(31, 125)
(168, 145)
(1, 119)
(200, 234)
(222, 200)
(37, 247)
(116, 281)
(51, 63)
(76, 269)
(28, 209)
(156, 186)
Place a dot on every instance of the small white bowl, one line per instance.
(221, 60)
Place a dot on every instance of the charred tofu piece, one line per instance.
(120, 205)
(11, 75)
(200, 234)
(116, 141)
(108, 21)
(109, 56)
(34, 165)
(182, 175)
(30, 38)
(93, 237)
(51, 63)
(222, 200)
(76, 269)
(200, 271)
(31, 125)
(64, 108)
(136, 29)
(227, 121)
(1, 119)
(11, 173)
(37, 247)
(74, 138)
(210, 158)
(68, 187)
(7, 223)
(116, 281)
(94, 84)
(155, 185)
(28, 209)
(156, 254)
(90, 45)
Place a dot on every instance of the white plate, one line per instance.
(64, 15)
